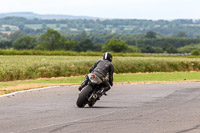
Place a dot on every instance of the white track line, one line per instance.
(37, 89)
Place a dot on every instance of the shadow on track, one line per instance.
(104, 107)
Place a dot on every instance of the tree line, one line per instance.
(150, 42)
(52, 40)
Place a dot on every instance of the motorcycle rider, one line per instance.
(101, 68)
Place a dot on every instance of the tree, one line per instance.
(188, 48)
(171, 49)
(97, 47)
(82, 35)
(115, 45)
(86, 44)
(150, 34)
(151, 49)
(5, 44)
(181, 34)
(195, 52)
(133, 49)
(25, 42)
(71, 45)
(51, 40)
(147, 49)
(158, 50)
(15, 35)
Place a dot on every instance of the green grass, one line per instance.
(160, 76)
(118, 78)
(78, 79)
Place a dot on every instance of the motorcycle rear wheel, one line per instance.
(83, 96)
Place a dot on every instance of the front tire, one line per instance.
(83, 96)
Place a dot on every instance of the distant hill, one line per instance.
(31, 15)
(75, 24)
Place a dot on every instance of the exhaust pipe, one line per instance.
(95, 96)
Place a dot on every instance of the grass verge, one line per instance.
(159, 77)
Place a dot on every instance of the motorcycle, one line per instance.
(91, 92)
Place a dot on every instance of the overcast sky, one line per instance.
(134, 9)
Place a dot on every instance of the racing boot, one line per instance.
(85, 82)
(82, 86)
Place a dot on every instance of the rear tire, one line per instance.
(83, 96)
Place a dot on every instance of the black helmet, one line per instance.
(107, 56)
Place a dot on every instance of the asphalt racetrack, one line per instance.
(128, 108)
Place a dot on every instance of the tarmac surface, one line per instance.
(128, 108)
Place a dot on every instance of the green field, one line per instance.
(118, 78)
(32, 67)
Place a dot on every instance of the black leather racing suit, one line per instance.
(102, 68)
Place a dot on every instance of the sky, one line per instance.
(126, 9)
